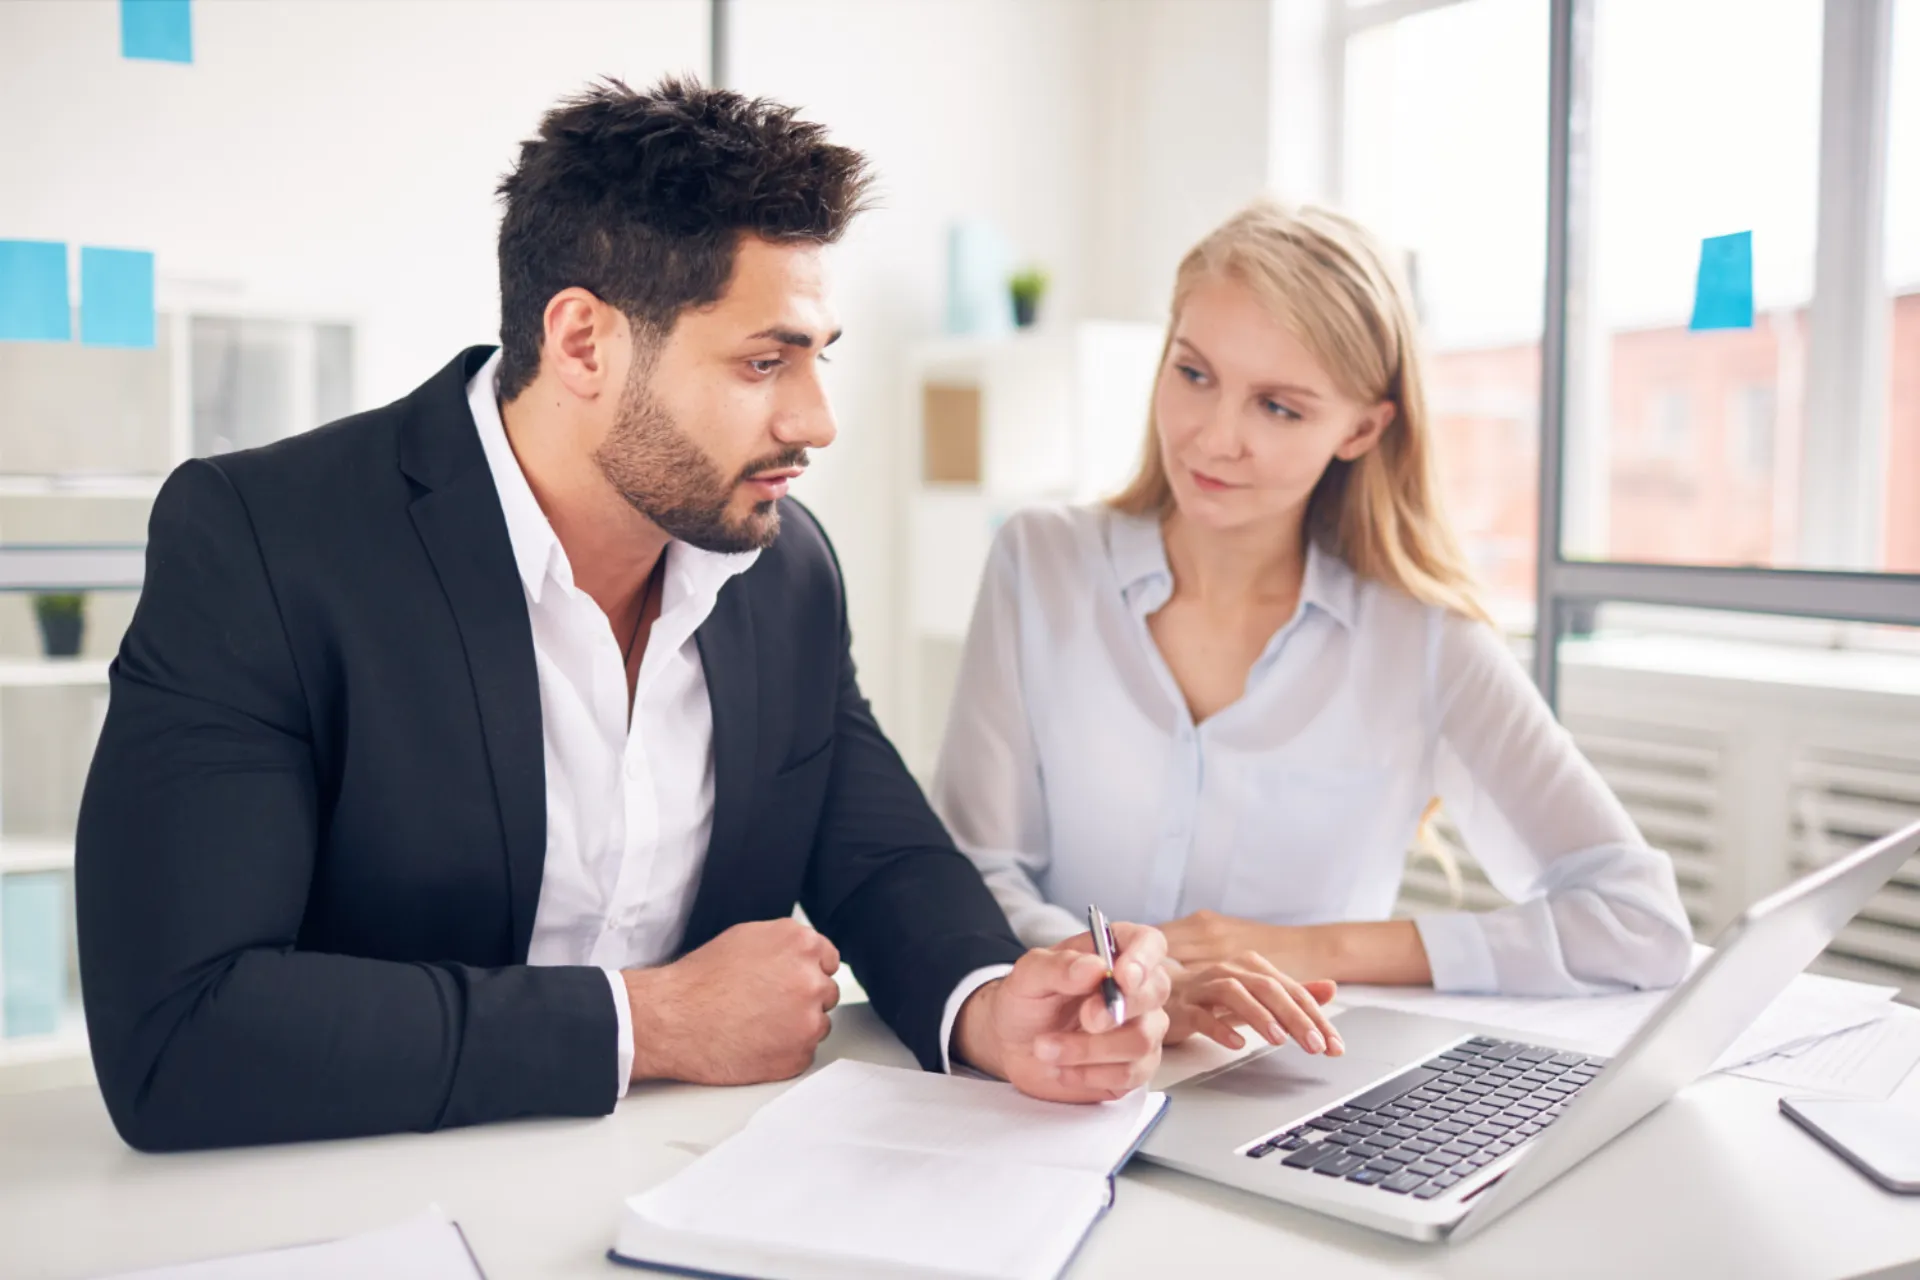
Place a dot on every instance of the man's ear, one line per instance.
(1367, 432)
(583, 337)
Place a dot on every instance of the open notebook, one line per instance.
(867, 1171)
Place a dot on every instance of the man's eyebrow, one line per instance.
(793, 337)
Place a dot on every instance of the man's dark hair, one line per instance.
(641, 199)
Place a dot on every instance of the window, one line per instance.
(1749, 432)
(1468, 220)
(1902, 524)
(1727, 528)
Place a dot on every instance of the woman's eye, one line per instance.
(764, 366)
(1278, 410)
(1190, 373)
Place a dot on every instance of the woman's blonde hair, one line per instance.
(1328, 279)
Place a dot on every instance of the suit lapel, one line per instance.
(731, 664)
(460, 524)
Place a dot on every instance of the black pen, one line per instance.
(1103, 945)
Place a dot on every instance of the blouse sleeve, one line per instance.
(987, 785)
(1594, 908)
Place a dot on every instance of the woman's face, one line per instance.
(1248, 418)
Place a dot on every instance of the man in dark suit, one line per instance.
(466, 758)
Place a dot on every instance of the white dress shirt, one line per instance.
(629, 801)
(1072, 771)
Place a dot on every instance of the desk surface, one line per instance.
(1714, 1184)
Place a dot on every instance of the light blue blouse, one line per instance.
(1072, 771)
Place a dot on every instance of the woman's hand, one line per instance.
(1207, 937)
(1249, 990)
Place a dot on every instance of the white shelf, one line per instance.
(34, 853)
(56, 1061)
(46, 672)
(68, 1042)
(18, 485)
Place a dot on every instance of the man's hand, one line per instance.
(1044, 1028)
(748, 1007)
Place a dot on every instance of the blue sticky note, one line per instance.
(156, 30)
(116, 297)
(1723, 292)
(33, 292)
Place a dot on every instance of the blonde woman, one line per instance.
(1224, 700)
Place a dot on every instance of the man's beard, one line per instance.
(669, 479)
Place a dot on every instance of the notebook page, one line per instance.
(906, 1211)
(861, 1103)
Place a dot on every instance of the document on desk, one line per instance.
(1869, 1061)
(1812, 1006)
(428, 1247)
(870, 1171)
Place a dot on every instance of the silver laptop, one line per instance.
(1433, 1129)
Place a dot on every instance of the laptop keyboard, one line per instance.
(1438, 1123)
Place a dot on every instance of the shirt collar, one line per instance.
(691, 573)
(536, 548)
(1139, 557)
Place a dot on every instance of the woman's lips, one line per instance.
(1208, 484)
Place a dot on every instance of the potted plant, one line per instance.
(63, 620)
(1027, 287)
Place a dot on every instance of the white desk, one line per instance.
(1715, 1184)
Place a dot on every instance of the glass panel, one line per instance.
(1903, 288)
(1470, 221)
(1683, 444)
(243, 379)
(1753, 749)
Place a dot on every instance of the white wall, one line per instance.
(332, 156)
(338, 157)
(967, 108)
(1183, 111)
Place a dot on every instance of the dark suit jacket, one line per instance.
(312, 839)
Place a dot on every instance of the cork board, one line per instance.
(950, 427)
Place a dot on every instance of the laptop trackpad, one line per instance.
(1297, 1080)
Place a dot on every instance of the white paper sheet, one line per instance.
(1867, 1061)
(1810, 1007)
(428, 1247)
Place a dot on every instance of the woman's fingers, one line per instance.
(1277, 996)
(1309, 1004)
(1312, 1028)
(1316, 1035)
(1234, 997)
(1217, 1030)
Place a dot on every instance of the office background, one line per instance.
(1570, 180)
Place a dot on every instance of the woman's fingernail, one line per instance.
(1046, 1050)
(1339, 1045)
(1274, 1033)
(1316, 1043)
